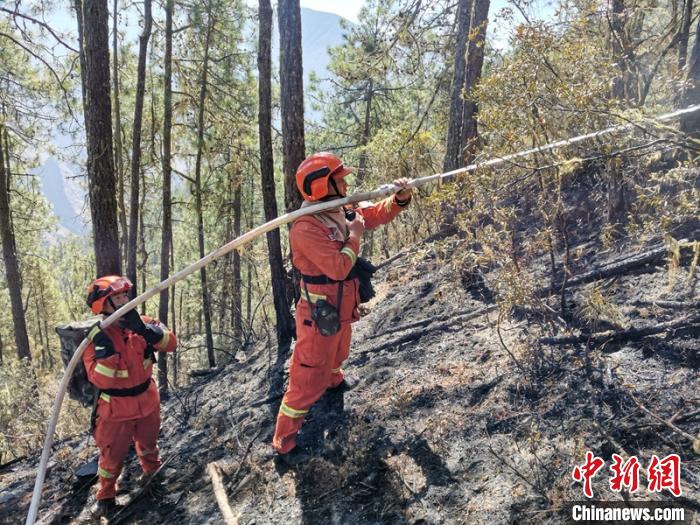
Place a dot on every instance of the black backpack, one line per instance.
(71, 335)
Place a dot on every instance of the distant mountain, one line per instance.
(64, 194)
(319, 32)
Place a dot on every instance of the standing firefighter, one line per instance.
(119, 361)
(325, 248)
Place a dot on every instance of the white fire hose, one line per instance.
(383, 191)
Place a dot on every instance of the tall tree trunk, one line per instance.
(198, 193)
(475, 63)
(98, 129)
(142, 241)
(236, 293)
(690, 123)
(39, 332)
(364, 139)
(9, 255)
(136, 144)
(167, 229)
(292, 98)
(617, 207)
(78, 7)
(285, 323)
(455, 147)
(119, 160)
(684, 34)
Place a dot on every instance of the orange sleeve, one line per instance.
(310, 241)
(382, 212)
(101, 372)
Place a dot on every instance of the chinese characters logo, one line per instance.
(661, 474)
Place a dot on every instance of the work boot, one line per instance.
(347, 384)
(106, 508)
(153, 484)
(294, 457)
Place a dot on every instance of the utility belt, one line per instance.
(127, 392)
(326, 316)
(363, 271)
(116, 392)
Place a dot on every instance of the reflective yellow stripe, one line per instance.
(105, 370)
(348, 251)
(105, 397)
(163, 343)
(336, 370)
(146, 362)
(104, 474)
(312, 297)
(122, 373)
(93, 332)
(292, 412)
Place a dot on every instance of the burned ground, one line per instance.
(461, 414)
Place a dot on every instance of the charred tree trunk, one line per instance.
(9, 254)
(617, 38)
(617, 205)
(136, 145)
(98, 129)
(285, 323)
(78, 7)
(236, 293)
(206, 301)
(292, 97)
(690, 123)
(455, 146)
(167, 230)
(119, 162)
(366, 129)
(475, 63)
(684, 34)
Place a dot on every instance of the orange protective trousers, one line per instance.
(113, 438)
(315, 366)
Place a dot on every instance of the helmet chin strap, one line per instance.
(337, 195)
(114, 308)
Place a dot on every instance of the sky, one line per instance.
(348, 9)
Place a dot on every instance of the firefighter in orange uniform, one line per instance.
(325, 247)
(119, 362)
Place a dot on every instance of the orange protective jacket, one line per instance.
(126, 368)
(315, 251)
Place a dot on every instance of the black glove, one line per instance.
(363, 270)
(153, 334)
(132, 320)
(103, 344)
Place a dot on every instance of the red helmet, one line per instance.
(103, 287)
(314, 173)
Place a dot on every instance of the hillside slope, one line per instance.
(459, 417)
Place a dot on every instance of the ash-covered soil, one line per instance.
(461, 416)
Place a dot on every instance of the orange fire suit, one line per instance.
(123, 416)
(317, 359)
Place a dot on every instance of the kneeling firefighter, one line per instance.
(119, 362)
(325, 248)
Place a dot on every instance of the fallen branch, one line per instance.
(656, 255)
(661, 420)
(466, 316)
(413, 336)
(214, 472)
(673, 305)
(631, 334)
